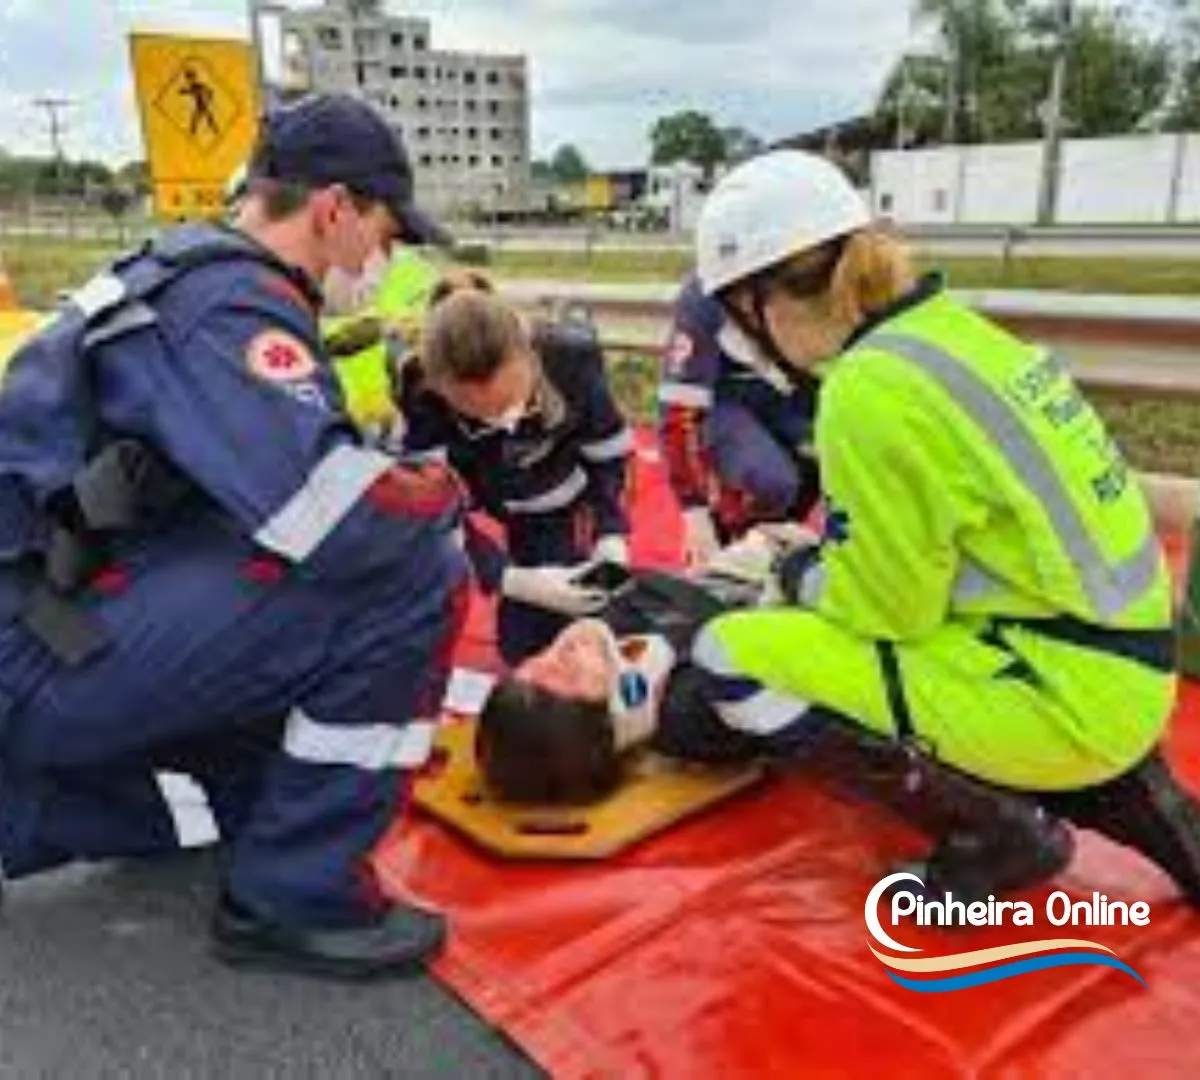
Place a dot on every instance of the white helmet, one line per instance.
(769, 208)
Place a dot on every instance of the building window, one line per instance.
(419, 74)
(516, 80)
(492, 78)
(399, 72)
(329, 37)
(472, 133)
(469, 78)
(422, 133)
(473, 160)
(493, 108)
(454, 133)
(395, 103)
(451, 75)
(418, 42)
(457, 159)
(470, 106)
(940, 200)
(497, 162)
(885, 202)
(422, 103)
(397, 41)
(426, 160)
(496, 134)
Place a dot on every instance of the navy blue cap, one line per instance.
(334, 138)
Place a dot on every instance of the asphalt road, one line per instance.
(104, 972)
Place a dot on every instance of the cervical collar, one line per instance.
(642, 665)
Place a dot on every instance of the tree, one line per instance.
(568, 165)
(687, 136)
(1180, 110)
(541, 171)
(1116, 74)
(740, 144)
(976, 40)
(134, 175)
(990, 74)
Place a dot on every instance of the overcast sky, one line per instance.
(602, 70)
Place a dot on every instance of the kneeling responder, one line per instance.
(981, 642)
(526, 418)
(220, 614)
(989, 592)
(735, 426)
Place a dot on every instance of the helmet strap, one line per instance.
(758, 330)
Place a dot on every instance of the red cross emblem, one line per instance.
(279, 357)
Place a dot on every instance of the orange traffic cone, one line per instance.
(8, 294)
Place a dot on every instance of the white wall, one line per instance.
(1000, 183)
(1189, 185)
(1118, 180)
(1115, 180)
(916, 185)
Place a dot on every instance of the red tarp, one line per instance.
(735, 945)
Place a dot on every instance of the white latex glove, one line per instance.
(552, 588)
(613, 549)
(749, 559)
(700, 541)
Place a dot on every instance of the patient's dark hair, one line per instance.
(534, 746)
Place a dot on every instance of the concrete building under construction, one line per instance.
(465, 116)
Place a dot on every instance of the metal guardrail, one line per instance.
(1166, 327)
(998, 241)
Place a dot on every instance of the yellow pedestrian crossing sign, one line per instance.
(198, 102)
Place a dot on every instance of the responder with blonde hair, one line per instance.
(989, 593)
(981, 640)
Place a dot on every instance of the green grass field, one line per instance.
(1143, 276)
(41, 267)
(1163, 436)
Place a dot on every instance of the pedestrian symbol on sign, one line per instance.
(198, 104)
(201, 95)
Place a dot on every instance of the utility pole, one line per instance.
(902, 104)
(1052, 116)
(953, 75)
(57, 126)
(253, 15)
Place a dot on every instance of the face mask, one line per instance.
(346, 293)
(642, 665)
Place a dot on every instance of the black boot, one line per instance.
(1147, 810)
(399, 942)
(987, 840)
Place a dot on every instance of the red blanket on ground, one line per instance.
(735, 945)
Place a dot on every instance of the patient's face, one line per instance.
(576, 664)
